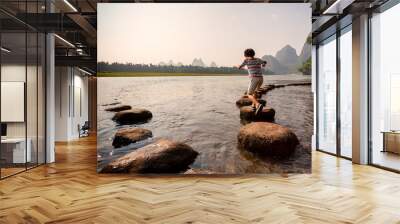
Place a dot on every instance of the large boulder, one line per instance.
(118, 108)
(245, 101)
(163, 156)
(267, 139)
(127, 136)
(132, 116)
(247, 113)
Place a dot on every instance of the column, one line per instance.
(360, 90)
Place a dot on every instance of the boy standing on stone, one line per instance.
(254, 68)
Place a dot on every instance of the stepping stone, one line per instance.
(268, 87)
(257, 95)
(279, 85)
(267, 139)
(262, 91)
(118, 108)
(299, 84)
(127, 136)
(111, 104)
(162, 156)
(132, 116)
(245, 101)
(247, 113)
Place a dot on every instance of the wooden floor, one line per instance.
(8, 171)
(70, 191)
(387, 159)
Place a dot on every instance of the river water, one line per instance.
(201, 112)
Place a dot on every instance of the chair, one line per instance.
(84, 130)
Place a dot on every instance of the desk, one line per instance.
(391, 141)
(13, 150)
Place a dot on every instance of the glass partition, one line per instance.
(326, 104)
(31, 97)
(22, 98)
(41, 97)
(346, 92)
(14, 153)
(385, 89)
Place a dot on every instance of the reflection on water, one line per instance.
(201, 112)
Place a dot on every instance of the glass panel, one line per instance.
(23, 90)
(385, 92)
(346, 94)
(41, 98)
(31, 88)
(31, 98)
(327, 96)
(13, 86)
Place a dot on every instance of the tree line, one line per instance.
(130, 67)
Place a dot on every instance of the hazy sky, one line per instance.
(150, 33)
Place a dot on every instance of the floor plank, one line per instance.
(70, 191)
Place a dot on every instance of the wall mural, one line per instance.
(204, 88)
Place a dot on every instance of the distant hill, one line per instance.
(171, 63)
(198, 62)
(305, 52)
(274, 66)
(305, 57)
(287, 56)
(286, 60)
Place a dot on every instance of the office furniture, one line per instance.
(84, 130)
(13, 150)
(391, 141)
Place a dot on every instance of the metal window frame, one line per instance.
(339, 32)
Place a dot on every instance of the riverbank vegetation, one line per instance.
(157, 74)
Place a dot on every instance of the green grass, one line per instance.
(155, 74)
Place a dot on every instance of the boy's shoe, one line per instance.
(259, 109)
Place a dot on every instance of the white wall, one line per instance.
(15, 73)
(80, 110)
(62, 82)
(70, 83)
